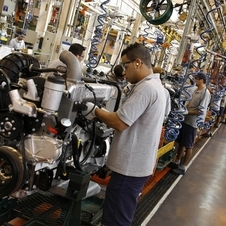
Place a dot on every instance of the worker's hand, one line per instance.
(185, 112)
(89, 113)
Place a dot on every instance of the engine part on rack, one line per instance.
(5, 87)
(217, 92)
(16, 65)
(10, 124)
(32, 124)
(74, 72)
(152, 11)
(54, 87)
(61, 70)
(20, 105)
(38, 127)
(43, 149)
(146, 31)
(11, 170)
(166, 58)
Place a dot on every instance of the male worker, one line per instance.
(138, 126)
(77, 49)
(18, 43)
(196, 112)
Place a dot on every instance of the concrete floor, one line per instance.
(199, 198)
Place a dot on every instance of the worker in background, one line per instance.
(138, 126)
(223, 117)
(196, 110)
(18, 43)
(220, 116)
(77, 49)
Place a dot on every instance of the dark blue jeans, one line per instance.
(121, 199)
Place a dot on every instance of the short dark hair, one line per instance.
(118, 70)
(137, 50)
(20, 32)
(77, 49)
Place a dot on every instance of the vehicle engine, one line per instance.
(44, 134)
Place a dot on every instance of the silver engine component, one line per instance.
(54, 87)
(20, 105)
(48, 133)
(32, 93)
(42, 149)
(103, 92)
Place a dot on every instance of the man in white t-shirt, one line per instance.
(18, 42)
(138, 127)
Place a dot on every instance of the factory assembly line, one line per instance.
(52, 158)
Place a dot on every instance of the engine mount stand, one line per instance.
(76, 191)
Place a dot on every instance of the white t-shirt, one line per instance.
(168, 103)
(134, 150)
(17, 44)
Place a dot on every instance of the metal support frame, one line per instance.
(77, 188)
(189, 21)
(6, 206)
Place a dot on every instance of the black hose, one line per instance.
(91, 145)
(36, 69)
(103, 81)
(118, 99)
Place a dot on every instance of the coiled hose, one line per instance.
(166, 58)
(146, 29)
(200, 123)
(93, 60)
(176, 117)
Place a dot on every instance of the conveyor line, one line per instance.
(48, 209)
(153, 197)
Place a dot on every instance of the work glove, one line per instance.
(89, 113)
(185, 112)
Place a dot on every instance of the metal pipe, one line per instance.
(184, 39)
(212, 19)
(222, 18)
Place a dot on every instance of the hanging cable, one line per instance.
(176, 116)
(154, 38)
(201, 123)
(166, 57)
(118, 56)
(146, 30)
(94, 60)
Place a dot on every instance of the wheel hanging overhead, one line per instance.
(156, 12)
